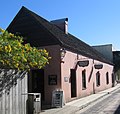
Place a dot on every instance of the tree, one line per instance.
(16, 55)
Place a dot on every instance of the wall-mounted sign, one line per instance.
(83, 63)
(66, 79)
(98, 66)
(52, 79)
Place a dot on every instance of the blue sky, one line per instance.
(96, 22)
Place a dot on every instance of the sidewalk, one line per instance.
(76, 105)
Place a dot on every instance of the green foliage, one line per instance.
(15, 55)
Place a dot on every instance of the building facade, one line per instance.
(75, 67)
(116, 61)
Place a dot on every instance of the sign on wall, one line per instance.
(83, 63)
(66, 79)
(98, 66)
(52, 79)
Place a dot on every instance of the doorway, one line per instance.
(73, 83)
(36, 82)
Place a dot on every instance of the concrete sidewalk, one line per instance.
(76, 105)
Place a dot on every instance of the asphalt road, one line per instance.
(107, 105)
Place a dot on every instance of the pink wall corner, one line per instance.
(69, 63)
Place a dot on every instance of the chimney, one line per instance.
(62, 24)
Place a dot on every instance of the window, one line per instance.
(107, 78)
(84, 79)
(98, 78)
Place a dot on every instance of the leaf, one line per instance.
(15, 54)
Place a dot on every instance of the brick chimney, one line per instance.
(62, 24)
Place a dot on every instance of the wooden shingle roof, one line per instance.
(40, 32)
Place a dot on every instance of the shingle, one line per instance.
(40, 32)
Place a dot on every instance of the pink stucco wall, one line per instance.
(70, 61)
(61, 68)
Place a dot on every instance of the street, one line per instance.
(107, 105)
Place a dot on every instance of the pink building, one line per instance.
(75, 67)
